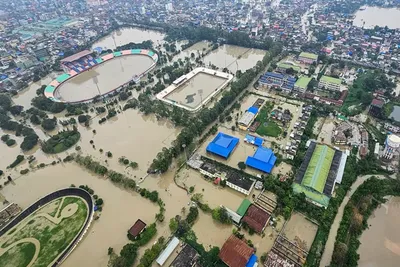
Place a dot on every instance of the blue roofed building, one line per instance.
(252, 261)
(285, 82)
(248, 117)
(263, 160)
(222, 145)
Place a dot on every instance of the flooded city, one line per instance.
(382, 237)
(376, 16)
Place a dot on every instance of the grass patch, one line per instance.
(25, 252)
(61, 142)
(268, 127)
(53, 238)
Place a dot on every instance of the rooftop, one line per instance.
(222, 145)
(303, 82)
(288, 66)
(256, 218)
(330, 80)
(242, 182)
(137, 228)
(263, 160)
(377, 103)
(76, 56)
(243, 207)
(235, 252)
(308, 55)
(187, 257)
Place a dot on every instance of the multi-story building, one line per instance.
(392, 144)
(329, 83)
(238, 183)
(307, 58)
(301, 84)
(285, 82)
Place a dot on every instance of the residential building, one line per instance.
(240, 184)
(236, 253)
(256, 218)
(375, 109)
(137, 228)
(392, 145)
(307, 58)
(273, 79)
(329, 83)
(187, 257)
(301, 84)
(283, 67)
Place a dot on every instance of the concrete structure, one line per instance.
(273, 79)
(392, 145)
(308, 58)
(222, 145)
(284, 66)
(263, 160)
(187, 257)
(240, 184)
(247, 118)
(302, 83)
(329, 83)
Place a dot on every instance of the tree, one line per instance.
(242, 165)
(173, 225)
(339, 253)
(49, 124)
(83, 118)
(16, 110)
(192, 215)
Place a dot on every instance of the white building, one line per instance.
(169, 7)
(392, 145)
(240, 184)
(329, 83)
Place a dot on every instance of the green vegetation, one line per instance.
(53, 238)
(20, 255)
(17, 161)
(144, 237)
(221, 215)
(60, 142)
(7, 140)
(151, 254)
(49, 124)
(268, 127)
(360, 93)
(355, 218)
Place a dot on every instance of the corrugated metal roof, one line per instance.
(167, 251)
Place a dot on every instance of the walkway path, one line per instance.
(330, 243)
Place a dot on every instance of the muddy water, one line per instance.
(127, 35)
(382, 17)
(189, 94)
(234, 57)
(121, 209)
(24, 96)
(110, 75)
(382, 237)
(299, 227)
(132, 135)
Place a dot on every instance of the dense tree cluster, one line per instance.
(60, 142)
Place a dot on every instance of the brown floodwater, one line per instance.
(234, 57)
(110, 75)
(127, 35)
(197, 89)
(382, 237)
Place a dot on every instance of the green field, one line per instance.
(54, 233)
(268, 127)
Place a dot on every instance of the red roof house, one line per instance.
(235, 252)
(137, 228)
(256, 218)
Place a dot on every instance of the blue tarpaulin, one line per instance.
(253, 110)
(252, 261)
(222, 145)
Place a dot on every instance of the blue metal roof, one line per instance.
(273, 74)
(263, 160)
(252, 261)
(222, 145)
(253, 110)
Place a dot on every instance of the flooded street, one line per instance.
(127, 35)
(383, 230)
(234, 57)
(109, 75)
(372, 16)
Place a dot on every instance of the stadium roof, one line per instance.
(302, 82)
(76, 56)
(263, 160)
(316, 197)
(256, 218)
(308, 55)
(330, 80)
(243, 207)
(235, 252)
(222, 145)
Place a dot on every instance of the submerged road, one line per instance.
(330, 243)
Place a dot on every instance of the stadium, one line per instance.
(195, 89)
(66, 213)
(86, 77)
(322, 167)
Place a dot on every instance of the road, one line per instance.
(327, 256)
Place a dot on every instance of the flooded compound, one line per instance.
(128, 35)
(234, 58)
(103, 78)
(192, 90)
(376, 16)
(300, 230)
(103, 233)
(383, 230)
